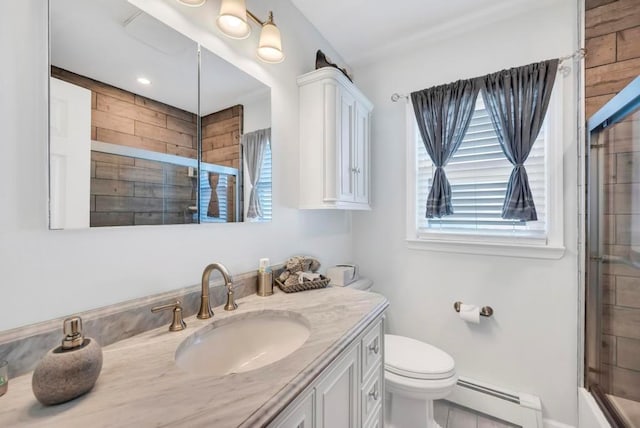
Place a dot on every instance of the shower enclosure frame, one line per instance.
(623, 104)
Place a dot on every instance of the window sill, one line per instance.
(530, 251)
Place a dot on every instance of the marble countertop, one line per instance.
(140, 384)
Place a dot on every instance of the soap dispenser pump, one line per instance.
(71, 369)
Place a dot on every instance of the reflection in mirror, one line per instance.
(124, 118)
(235, 113)
(124, 104)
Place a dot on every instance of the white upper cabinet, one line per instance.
(334, 142)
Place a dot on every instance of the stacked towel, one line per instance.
(307, 276)
(299, 269)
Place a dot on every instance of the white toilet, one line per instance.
(415, 374)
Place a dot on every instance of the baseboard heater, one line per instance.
(518, 408)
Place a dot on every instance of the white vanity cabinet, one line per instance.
(336, 395)
(334, 142)
(348, 393)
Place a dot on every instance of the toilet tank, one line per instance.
(363, 284)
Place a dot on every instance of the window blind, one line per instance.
(264, 186)
(479, 173)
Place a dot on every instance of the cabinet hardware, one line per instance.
(374, 394)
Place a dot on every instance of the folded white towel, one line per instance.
(308, 276)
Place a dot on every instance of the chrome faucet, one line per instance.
(205, 306)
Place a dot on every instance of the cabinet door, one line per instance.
(361, 155)
(345, 166)
(300, 417)
(337, 394)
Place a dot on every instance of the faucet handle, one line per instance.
(231, 303)
(177, 323)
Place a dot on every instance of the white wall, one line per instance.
(257, 112)
(46, 274)
(530, 344)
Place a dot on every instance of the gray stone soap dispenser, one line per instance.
(69, 370)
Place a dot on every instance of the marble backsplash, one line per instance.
(23, 347)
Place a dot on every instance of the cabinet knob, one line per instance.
(374, 394)
(374, 347)
(356, 170)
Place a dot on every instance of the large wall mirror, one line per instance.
(147, 128)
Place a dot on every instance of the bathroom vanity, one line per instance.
(348, 393)
(333, 379)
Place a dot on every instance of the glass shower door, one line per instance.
(613, 265)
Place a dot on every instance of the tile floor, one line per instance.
(450, 415)
(630, 410)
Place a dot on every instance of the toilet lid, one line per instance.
(411, 358)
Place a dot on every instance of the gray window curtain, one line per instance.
(255, 144)
(443, 114)
(517, 101)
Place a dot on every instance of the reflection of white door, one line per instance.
(69, 155)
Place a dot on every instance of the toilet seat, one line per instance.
(413, 359)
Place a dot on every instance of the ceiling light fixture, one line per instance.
(232, 20)
(233, 23)
(144, 81)
(270, 45)
(192, 3)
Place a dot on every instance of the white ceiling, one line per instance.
(113, 42)
(366, 30)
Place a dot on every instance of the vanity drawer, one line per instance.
(372, 349)
(375, 421)
(371, 394)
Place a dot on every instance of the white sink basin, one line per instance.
(242, 343)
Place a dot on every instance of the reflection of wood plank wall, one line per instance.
(221, 133)
(124, 118)
(613, 59)
(127, 191)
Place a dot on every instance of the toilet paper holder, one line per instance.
(485, 311)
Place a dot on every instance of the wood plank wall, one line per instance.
(612, 39)
(127, 191)
(221, 133)
(128, 119)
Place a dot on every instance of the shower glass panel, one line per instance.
(131, 189)
(613, 265)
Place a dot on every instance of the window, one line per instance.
(205, 196)
(264, 186)
(478, 173)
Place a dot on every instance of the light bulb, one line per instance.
(232, 20)
(192, 3)
(270, 46)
